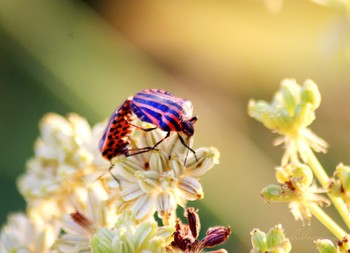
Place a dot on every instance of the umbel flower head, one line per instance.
(289, 114)
(164, 178)
(295, 187)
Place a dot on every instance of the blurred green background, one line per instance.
(88, 56)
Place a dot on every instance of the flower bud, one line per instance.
(159, 161)
(304, 115)
(303, 174)
(126, 168)
(144, 233)
(271, 193)
(102, 241)
(343, 173)
(290, 94)
(207, 158)
(258, 239)
(216, 236)
(309, 93)
(193, 222)
(282, 174)
(132, 192)
(326, 246)
(123, 244)
(284, 122)
(174, 144)
(152, 137)
(143, 206)
(275, 237)
(259, 110)
(176, 166)
(166, 203)
(191, 188)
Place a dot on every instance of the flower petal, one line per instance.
(190, 188)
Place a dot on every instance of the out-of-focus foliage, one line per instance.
(84, 57)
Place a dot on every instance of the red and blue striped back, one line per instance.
(162, 109)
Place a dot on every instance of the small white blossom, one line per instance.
(25, 235)
(160, 180)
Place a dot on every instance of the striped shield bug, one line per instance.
(158, 107)
(166, 111)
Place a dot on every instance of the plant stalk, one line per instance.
(324, 179)
(327, 221)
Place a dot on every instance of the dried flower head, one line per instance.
(186, 235)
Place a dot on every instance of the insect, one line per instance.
(155, 106)
(166, 111)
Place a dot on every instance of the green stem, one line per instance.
(324, 179)
(326, 221)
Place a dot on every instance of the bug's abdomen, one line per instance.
(115, 140)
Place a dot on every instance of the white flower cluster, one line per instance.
(75, 205)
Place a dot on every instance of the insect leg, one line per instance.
(143, 129)
(190, 149)
(137, 151)
(159, 142)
